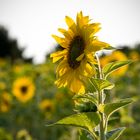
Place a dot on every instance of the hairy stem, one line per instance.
(101, 101)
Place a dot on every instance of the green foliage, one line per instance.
(87, 101)
(85, 106)
(5, 135)
(109, 68)
(30, 117)
(110, 108)
(84, 136)
(86, 121)
(101, 84)
(115, 133)
(90, 97)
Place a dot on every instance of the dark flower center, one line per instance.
(113, 60)
(24, 89)
(48, 108)
(23, 137)
(6, 102)
(76, 49)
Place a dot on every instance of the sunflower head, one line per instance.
(79, 45)
(23, 135)
(2, 62)
(46, 105)
(17, 68)
(23, 89)
(5, 102)
(2, 85)
(134, 56)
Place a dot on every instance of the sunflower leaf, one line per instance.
(86, 121)
(109, 68)
(101, 84)
(110, 108)
(115, 133)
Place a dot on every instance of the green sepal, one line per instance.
(101, 84)
(115, 133)
(86, 121)
(110, 108)
(110, 67)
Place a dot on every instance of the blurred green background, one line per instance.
(29, 99)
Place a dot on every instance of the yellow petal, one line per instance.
(62, 68)
(58, 55)
(61, 41)
(91, 29)
(79, 58)
(96, 46)
(66, 33)
(90, 58)
(71, 24)
(69, 21)
(100, 45)
(60, 82)
(77, 86)
(81, 20)
(89, 70)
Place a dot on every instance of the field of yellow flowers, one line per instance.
(29, 99)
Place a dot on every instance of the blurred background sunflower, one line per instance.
(23, 89)
(5, 102)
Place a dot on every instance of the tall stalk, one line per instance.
(101, 101)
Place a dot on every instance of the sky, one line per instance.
(32, 22)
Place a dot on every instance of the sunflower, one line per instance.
(5, 102)
(134, 55)
(17, 68)
(2, 62)
(2, 85)
(115, 56)
(23, 89)
(23, 135)
(79, 45)
(46, 105)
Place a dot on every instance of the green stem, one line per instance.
(101, 101)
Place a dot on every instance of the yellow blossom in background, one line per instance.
(23, 135)
(2, 85)
(46, 105)
(5, 102)
(18, 68)
(59, 96)
(134, 55)
(115, 56)
(79, 45)
(23, 89)
(2, 62)
(3, 74)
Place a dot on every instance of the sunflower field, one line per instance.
(30, 99)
